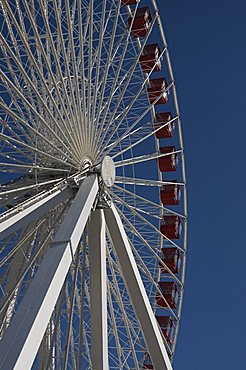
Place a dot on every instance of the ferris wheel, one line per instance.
(93, 190)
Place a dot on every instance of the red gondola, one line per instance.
(172, 259)
(157, 88)
(171, 227)
(129, 2)
(169, 162)
(141, 23)
(148, 363)
(160, 120)
(150, 58)
(166, 326)
(170, 293)
(170, 194)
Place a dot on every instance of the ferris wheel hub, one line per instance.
(86, 163)
(107, 170)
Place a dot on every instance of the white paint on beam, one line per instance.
(22, 338)
(33, 211)
(98, 292)
(137, 291)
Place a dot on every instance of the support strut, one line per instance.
(22, 338)
(98, 293)
(137, 291)
(33, 211)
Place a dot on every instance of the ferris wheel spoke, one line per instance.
(144, 137)
(129, 75)
(34, 88)
(14, 154)
(144, 158)
(33, 149)
(124, 114)
(98, 65)
(89, 74)
(116, 77)
(68, 75)
(61, 77)
(146, 221)
(51, 43)
(82, 72)
(145, 201)
(33, 130)
(109, 60)
(144, 182)
(12, 167)
(10, 157)
(37, 185)
(76, 73)
(25, 42)
(154, 253)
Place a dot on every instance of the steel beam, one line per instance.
(137, 291)
(33, 211)
(22, 338)
(98, 292)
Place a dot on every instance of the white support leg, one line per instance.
(98, 292)
(30, 213)
(22, 338)
(137, 291)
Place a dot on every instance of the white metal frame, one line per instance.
(23, 336)
(137, 291)
(32, 211)
(54, 121)
(98, 290)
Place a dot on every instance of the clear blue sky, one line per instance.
(207, 44)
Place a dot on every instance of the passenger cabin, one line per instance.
(166, 326)
(170, 293)
(156, 89)
(162, 119)
(129, 2)
(172, 259)
(150, 58)
(171, 227)
(148, 363)
(169, 162)
(141, 22)
(170, 194)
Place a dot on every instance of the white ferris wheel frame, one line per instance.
(23, 336)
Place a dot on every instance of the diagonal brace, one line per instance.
(137, 291)
(33, 211)
(98, 292)
(22, 338)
